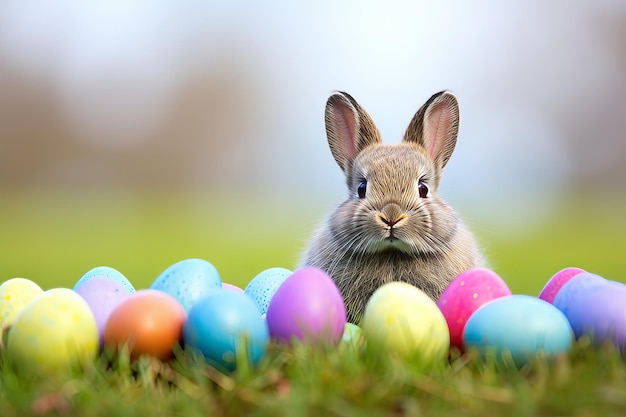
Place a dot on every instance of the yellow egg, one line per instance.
(403, 321)
(14, 295)
(54, 333)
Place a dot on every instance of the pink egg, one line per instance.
(231, 287)
(307, 306)
(465, 294)
(554, 284)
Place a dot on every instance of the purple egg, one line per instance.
(557, 281)
(102, 295)
(575, 289)
(307, 306)
(600, 313)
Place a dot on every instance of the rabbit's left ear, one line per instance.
(435, 127)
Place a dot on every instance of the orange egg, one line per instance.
(149, 322)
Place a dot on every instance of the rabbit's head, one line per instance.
(393, 203)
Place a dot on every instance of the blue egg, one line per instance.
(263, 286)
(106, 272)
(519, 325)
(188, 281)
(226, 326)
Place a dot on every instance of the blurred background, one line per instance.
(137, 133)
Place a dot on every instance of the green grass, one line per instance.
(53, 238)
(344, 381)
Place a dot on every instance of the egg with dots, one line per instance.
(149, 322)
(105, 272)
(307, 306)
(264, 285)
(188, 281)
(54, 334)
(557, 281)
(15, 294)
(464, 295)
(401, 320)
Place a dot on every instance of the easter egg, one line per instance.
(351, 334)
(15, 294)
(149, 322)
(188, 281)
(554, 284)
(103, 295)
(231, 287)
(576, 288)
(263, 286)
(402, 320)
(54, 333)
(105, 272)
(520, 326)
(464, 295)
(597, 310)
(307, 306)
(225, 325)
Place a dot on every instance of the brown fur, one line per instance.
(392, 234)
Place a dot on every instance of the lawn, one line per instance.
(53, 238)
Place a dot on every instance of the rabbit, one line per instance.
(393, 225)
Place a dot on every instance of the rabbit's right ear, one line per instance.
(435, 127)
(349, 129)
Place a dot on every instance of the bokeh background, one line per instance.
(137, 133)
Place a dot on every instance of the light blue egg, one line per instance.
(263, 286)
(106, 272)
(519, 325)
(224, 326)
(188, 281)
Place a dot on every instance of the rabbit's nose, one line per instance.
(391, 215)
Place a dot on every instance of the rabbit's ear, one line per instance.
(435, 127)
(349, 129)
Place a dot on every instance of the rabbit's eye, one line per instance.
(361, 188)
(423, 189)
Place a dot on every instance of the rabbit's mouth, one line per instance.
(393, 243)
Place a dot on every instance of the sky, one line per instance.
(116, 68)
